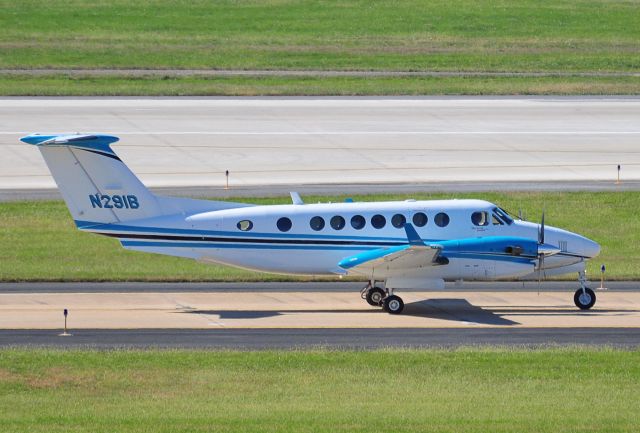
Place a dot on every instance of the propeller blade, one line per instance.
(541, 231)
(540, 267)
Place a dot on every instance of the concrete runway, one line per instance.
(263, 315)
(184, 142)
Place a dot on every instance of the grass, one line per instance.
(464, 390)
(592, 36)
(40, 242)
(62, 85)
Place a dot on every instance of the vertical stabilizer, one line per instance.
(96, 185)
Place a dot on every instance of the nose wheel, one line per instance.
(584, 298)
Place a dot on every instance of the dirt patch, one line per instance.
(56, 377)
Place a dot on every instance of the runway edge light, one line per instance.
(65, 333)
(603, 268)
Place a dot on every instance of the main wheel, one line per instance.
(584, 300)
(393, 304)
(374, 296)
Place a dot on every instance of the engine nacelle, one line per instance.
(490, 269)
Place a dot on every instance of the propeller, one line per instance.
(540, 254)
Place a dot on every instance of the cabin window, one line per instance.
(420, 219)
(337, 222)
(284, 224)
(317, 223)
(398, 221)
(496, 221)
(378, 221)
(358, 222)
(480, 218)
(441, 219)
(244, 225)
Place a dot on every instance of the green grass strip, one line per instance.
(471, 35)
(65, 85)
(40, 242)
(461, 391)
(592, 36)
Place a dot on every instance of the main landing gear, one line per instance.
(377, 297)
(584, 297)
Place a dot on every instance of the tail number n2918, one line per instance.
(114, 201)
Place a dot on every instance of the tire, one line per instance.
(374, 297)
(393, 304)
(586, 300)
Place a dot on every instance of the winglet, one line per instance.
(412, 235)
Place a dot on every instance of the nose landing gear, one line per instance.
(584, 298)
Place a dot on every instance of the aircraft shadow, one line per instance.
(559, 311)
(455, 309)
(458, 310)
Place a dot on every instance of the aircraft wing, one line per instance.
(415, 254)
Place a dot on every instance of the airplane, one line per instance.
(394, 245)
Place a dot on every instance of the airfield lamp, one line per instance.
(602, 270)
(226, 173)
(618, 181)
(65, 333)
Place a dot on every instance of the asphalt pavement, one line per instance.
(261, 339)
(284, 287)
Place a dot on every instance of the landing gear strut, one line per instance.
(377, 297)
(584, 297)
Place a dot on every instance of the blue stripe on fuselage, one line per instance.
(88, 225)
(241, 246)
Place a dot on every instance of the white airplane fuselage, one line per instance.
(216, 237)
(403, 244)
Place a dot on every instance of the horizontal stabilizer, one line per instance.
(86, 141)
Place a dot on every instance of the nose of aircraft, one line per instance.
(589, 248)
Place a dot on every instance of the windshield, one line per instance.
(502, 215)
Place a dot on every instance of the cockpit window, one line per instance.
(480, 218)
(502, 215)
